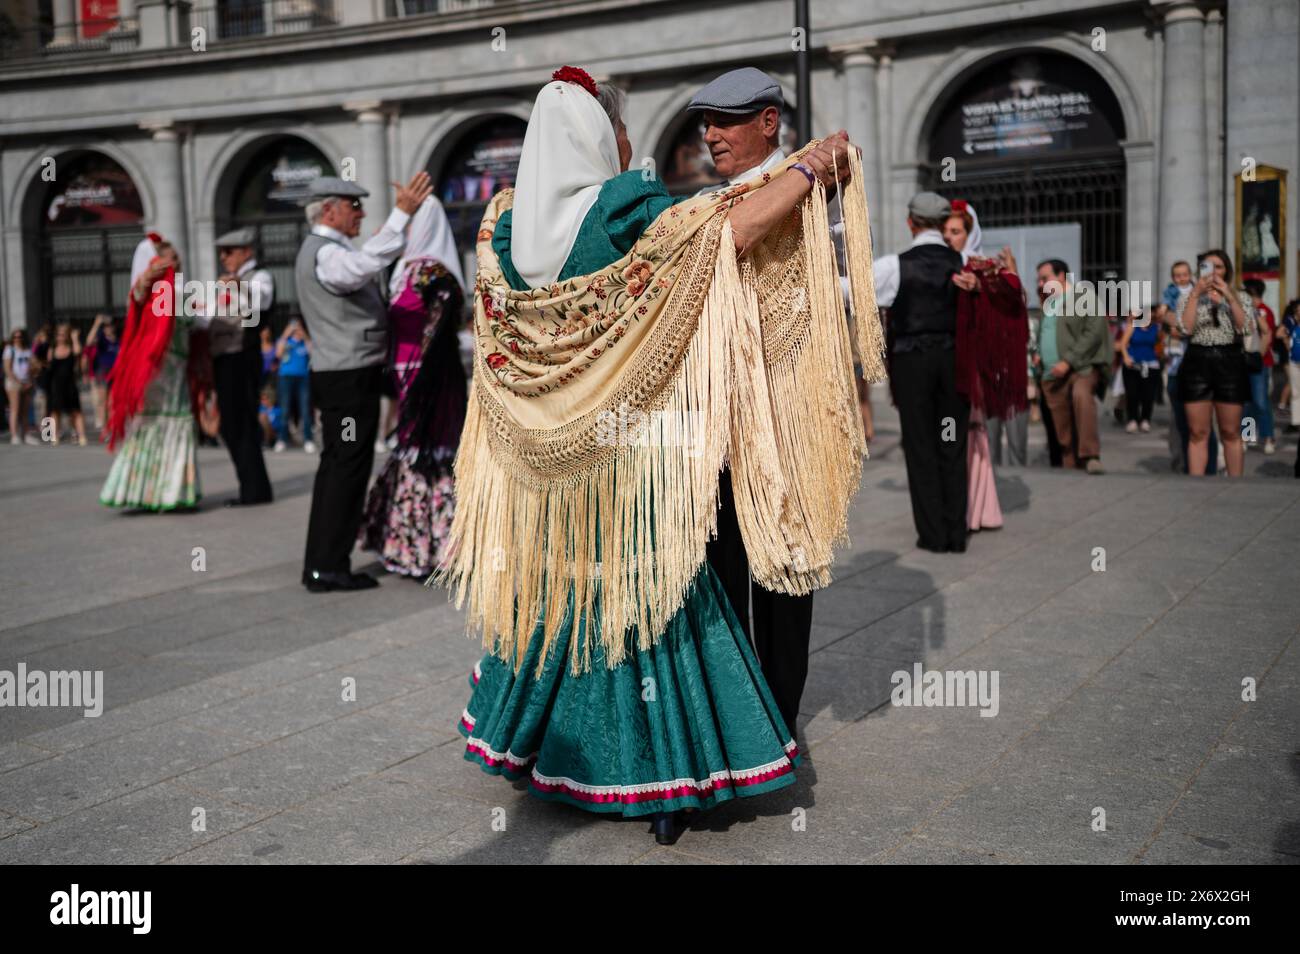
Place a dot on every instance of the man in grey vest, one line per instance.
(341, 292)
(237, 362)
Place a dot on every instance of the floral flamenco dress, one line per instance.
(688, 723)
(408, 513)
(157, 465)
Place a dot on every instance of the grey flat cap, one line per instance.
(238, 238)
(929, 205)
(327, 186)
(742, 91)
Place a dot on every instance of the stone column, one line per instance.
(372, 158)
(861, 110)
(65, 22)
(1217, 187)
(1185, 190)
(884, 210)
(168, 183)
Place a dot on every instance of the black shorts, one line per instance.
(1214, 373)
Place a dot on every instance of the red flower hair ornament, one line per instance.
(153, 237)
(959, 205)
(577, 76)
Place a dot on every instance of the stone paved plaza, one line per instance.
(1120, 690)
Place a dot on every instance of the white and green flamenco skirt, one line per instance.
(157, 466)
(688, 723)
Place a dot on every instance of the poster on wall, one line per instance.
(1027, 106)
(97, 16)
(1261, 231)
(92, 191)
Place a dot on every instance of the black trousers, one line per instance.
(235, 379)
(348, 402)
(1140, 392)
(933, 418)
(782, 626)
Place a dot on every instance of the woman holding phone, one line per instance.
(1213, 376)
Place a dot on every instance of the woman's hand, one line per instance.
(966, 281)
(1007, 260)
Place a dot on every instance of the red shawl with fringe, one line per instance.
(992, 337)
(145, 340)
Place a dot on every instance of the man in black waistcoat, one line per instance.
(920, 288)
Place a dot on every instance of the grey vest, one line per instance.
(347, 331)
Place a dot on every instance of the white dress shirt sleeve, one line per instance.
(343, 270)
(885, 272)
(257, 292)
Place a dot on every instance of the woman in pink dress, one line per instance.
(992, 334)
(409, 510)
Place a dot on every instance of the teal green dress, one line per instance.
(688, 723)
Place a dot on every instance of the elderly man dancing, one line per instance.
(340, 289)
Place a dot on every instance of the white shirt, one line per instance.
(885, 268)
(260, 287)
(20, 360)
(771, 162)
(343, 268)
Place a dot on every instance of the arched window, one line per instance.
(91, 221)
(268, 192)
(1032, 139)
(481, 164)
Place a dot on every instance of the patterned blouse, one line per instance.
(1214, 324)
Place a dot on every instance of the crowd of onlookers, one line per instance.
(43, 380)
(46, 376)
(1227, 366)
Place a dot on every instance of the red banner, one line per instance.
(97, 16)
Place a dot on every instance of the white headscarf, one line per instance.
(429, 237)
(974, 240)
(144, 253)
(569, 151)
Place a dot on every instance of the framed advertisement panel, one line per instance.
(1260, 234)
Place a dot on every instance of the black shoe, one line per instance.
(932, 547)
(666, 829)
(319, 582)
(958, 547)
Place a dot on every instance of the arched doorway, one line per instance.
(266, 189)
(482, 163)
(684, 162)
(91, 219)
(1034, 139)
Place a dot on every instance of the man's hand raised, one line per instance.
(412, 195)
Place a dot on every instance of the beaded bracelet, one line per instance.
(812, 179)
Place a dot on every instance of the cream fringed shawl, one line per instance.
(603, 408)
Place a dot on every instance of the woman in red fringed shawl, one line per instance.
(151, 421)
(992, 335)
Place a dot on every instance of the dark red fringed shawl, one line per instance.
(992, 336)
